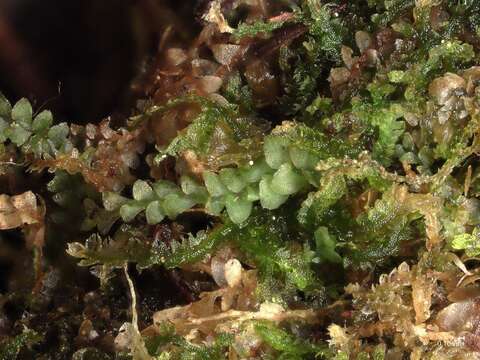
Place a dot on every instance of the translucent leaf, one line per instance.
(22, 113)
(215, 205)
(232, 180)
(197, 192)
(3, 129)
(251, 193)
(19, 135)
(276, 151)
(175, 204)
(287, 180)
(253, 173)
(42, 121)
(163, 188)
(142, 191)
(302, 159)
(130, 210)
(58, 134)
(238, 208)
(5, 107)
(213, 184)
(269, 199)
(154, 213)
(189, 186)
(113, 201)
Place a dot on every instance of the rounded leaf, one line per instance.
(251, 193)
(154, 213)
(276, 151)
(163, 188)
(142, 191)
(287, 180)
(269, 199)
(238, 208)
(58, 134)
(253, 173)
(213, 184)
(175, 204)
(112, 201)
(232, 180)
(22, 113)
(302, 159)
(5, 107)
(42, 121)
(215, 205)
(188, 185)
(3, 130)
(18, 134)
(130, 210)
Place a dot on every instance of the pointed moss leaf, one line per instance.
(269, 199)
(113, 201)
(22, 113)
(18, 134)
(5, 107)
(154, 213)
(253, 173)
(58, 134)
(276, 151)
(42, 121)
(302, 159)
(215, 205)
(232, 180)
(142, 191)
(175, 204)
(238, 208)
(130, 210)
(287, 180)
(213, 184)
(163, 188)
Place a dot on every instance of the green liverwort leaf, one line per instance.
(213, 184)
(58, 134)
(238, 208)
(154, 213)
(42, 121)
(253, 173)
(232, 180)
(5, 107)
(175, 204)
(269, 199)
(276, 151)
(18, 134)
(22, 113)
(287, 180)
(3, 130)
(130, 210)
(142, 191)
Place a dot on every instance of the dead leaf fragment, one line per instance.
(19, 210)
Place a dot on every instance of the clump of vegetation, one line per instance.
(308, 188)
